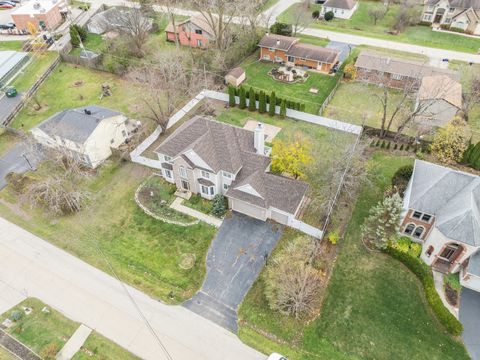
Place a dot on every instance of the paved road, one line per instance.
(234, 261)
(470, 319)
(7, 105)
(14, 161)
(32, 267)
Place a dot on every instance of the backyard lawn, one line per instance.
(93, 42)
(144, 252)
(374, 307)
(11, 45)
(362, 24)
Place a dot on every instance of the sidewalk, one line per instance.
(74, 344)
(177, 205)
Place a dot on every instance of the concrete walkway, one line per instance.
(177, 205)
(74, 344)
(34, 268)
(438, 280)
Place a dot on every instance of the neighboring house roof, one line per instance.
(471, 15)
(474, 264)
(409, 68)
(230, 148)
(75, 124)
(236, 72)
(461, 4)
(198, 21)
(38, 7)
(114, 19)
(341, 4)
(278, 42)
(441, 87)
(312, 52)
(452, 196)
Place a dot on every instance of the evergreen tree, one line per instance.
(262, 105)
(251, 100)
(283, 109)
(273, 103)
(468, 153)
(231, 96)
(302, 107)
(243, 100)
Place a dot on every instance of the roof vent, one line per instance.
(36, 6)
(87, 112)
(278, 42)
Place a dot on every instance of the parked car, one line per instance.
(5, 6)
(334, 69)
(7, 26)
(275, 356)
(9, 2)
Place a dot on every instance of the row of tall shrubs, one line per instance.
(471, 156)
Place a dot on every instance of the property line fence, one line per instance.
(328, 98)
(95, 63)
(29, 93)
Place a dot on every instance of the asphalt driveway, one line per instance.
(470, 318)
(344, 49)
(234, 261)
(15, 160)
(7, 105)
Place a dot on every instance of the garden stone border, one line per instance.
(155, 216)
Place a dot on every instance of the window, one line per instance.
(449, 251)
(199, 43)
(418, 231)
(417, 214)
(168, 173)
(452, 9)
(409, 229)
(198, 31)
(212, 190)
(225, 186)
(427, 18)
(429, 251)
(208, 190)
(448, 20)
(290, 59)
(183, 172)
(205, 189)
(167, 158)
(397, 77)
(205, 174)
(426, 217)
(226, 175)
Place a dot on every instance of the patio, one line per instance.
(289, 74)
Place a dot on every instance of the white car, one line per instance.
(275, 356)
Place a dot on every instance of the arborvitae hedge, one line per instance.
(283, 109)
(262, 104)
(273, 102)
(243, 100)
(251, 100)
(231, 96)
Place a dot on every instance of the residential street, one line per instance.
(470, 319)
(31, 267)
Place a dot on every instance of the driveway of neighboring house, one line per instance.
(344, 49)
(15, 160)
(470, 319)
(234, 261)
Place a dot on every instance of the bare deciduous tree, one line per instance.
(301, 17)
(377, 13)
(470, 90)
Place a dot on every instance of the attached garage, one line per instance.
(248, 209)
(279, 216)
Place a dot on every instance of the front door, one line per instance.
(185, 185)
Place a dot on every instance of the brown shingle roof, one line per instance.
(278, 42)
(408, 68)
(441, 87)
(236, 72)
(312, 52)
(341, 4)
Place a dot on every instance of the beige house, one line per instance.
(89, 133)
(439, 99)
(207, 157)
(342, 9)
(235, 77)
(442, 213)
(459, 15)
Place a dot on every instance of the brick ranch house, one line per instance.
(287, 50)
(194, 32)
(207, 157)
(442, 213)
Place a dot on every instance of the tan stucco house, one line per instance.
(442, 213)
(459, 15)
(207, 157)
(88, 133)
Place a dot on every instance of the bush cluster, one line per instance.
(424, 274)
(407, 246)
(77, 34)
(471, 156)
(386, 144)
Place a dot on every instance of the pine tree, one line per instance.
(231, 96)
(251, 100)
(302, 107)
(273, 103)
(262, 105)
(468, 153)
(475, 154)
(243, 101)
(283, 109)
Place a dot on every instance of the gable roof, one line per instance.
(278, 42)
(452, 196)
(341, 4)
(441, 87)
(75, 124)
(198, 21)
(236, 72)
(392, 65)
(461, 4)
(312, 52)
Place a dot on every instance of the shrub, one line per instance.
(403, 244)
(453, 281)
(388, 145)
(382, 145)
(316, 14)
(281, 29)
(262, 104)
(272, 102)
(16, 315)
(251, 100)
(283, 109)
(302, 107)
(243, 101)
(402, 175)
(350, 71)
(415, 249)
(77, 34)
(401, 147)
(395, 146)
(333, 237)
(372, 144)
(219, 207)
(50, 351)
(329, 15)
(377, 144)
(231, 96)
(424, 274)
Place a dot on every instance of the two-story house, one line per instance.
(442, 212)
(208, 157)
(287, 50)
(194, 32)
(462, 15)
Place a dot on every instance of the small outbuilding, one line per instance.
(235, 77)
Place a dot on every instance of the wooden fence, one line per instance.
(329, 97)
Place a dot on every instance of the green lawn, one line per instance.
(362, 24)
(5, 355)
(374, 307)
(93, 42)
(39, 329)
(198, 203)
(11, 45)
(39, 63)
(143, 251)
(102, 349)
(71, 86)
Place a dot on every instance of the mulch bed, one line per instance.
(451, 295)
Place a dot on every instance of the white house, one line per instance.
(88, 133)
(207, 157)
(342, 9)
(442, 213)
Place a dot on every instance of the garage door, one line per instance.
(279, 217)
(248, 209)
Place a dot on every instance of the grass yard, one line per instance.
(40, 330)
(93, 42)
(143, 251)
(258, 78)
(11, 45)
(5, 355)
(362, 24)
(39, 63)
(374, 307)
(97, 347)
(71, 86)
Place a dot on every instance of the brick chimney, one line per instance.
(259, 139)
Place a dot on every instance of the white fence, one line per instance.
(305, 228)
